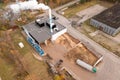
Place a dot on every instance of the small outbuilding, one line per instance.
(108, 21)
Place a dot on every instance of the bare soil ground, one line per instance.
(67, 41)
(82, 53)
(69, 48)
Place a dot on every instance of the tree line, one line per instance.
(47, 1)
(111, 0)
(83, 1)
(59, 1)
(52, 3)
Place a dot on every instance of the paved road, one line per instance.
(110, 67)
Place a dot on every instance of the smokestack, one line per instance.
(17, 1)
(50, 19)
(33, 5)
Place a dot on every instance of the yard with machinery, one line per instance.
(69, 49)
(67, 74)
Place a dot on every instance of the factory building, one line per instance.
(108, 21)
(39, 30)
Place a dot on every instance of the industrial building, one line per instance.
(108, 21)
(39, 30)
(42, 29)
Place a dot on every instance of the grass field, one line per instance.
(16, 38)
(2, 5)
(9, 70)
(72, 10)
(6, 70)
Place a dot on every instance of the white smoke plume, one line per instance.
(31, 4)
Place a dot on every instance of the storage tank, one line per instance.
(86, 66)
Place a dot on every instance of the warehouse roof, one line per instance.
(40, 34)
(110, 16)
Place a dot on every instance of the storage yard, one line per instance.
(76, 50)
(70, 49)
(82, 53)
(67, 41)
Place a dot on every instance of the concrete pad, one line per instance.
(94, 33)
(90, 12)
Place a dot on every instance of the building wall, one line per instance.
(117, 31)
(55, 36)
(105, 28)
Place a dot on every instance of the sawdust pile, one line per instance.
(81, 52)
(76, 50)
(67, 41)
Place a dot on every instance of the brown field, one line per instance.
(17, 63)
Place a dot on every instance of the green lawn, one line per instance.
(2, 5)
(72, 10)
(86, 28)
